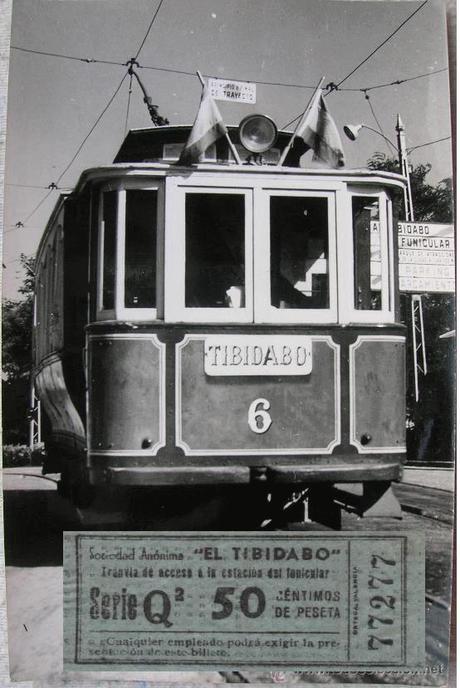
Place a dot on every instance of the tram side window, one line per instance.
(140, 248)
(214, 250)
(367, 253)
(110, 241)
(299, 268)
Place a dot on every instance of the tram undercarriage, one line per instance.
(259, 505)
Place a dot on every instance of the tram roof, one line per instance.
(142, 154)
(147, 144)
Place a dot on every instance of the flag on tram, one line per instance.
(207, 128)
(319, 131)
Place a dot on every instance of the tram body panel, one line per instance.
(153, 385)
(377, 381)
(219, 415)
(126, 401)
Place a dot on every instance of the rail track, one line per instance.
(428, 509)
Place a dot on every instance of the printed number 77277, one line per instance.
(386, 603)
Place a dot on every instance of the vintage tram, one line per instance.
(221, 334)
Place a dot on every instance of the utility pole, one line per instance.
(404, 167)
(418, 333)
(34, 419)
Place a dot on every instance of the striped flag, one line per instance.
(207, 128)
(320, 132)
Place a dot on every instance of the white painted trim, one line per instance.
(274, 184)
(160, 267)
(100, 254)
(149, 170)
(180, 442)
(152, 451)
(101, 313)
(120, 254)
(175, 256)
(354, 441)
(391, 256)
(387, 313)
(121, 312)
(344, 256)
(264, 311)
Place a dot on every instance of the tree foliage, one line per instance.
(17, 319)
(431, 203)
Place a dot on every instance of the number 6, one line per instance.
(258, 418)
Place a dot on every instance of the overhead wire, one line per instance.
(39, 204)
(54, 186)
(34, 186)
(110, 62)
(429, 143)
(93, 127)
(368, 99)
(172, 70)
(396, 82)
(371, 54)
(89, 60)
(332, 86)
(149, 28)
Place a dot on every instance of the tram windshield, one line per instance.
(140, 248)
(368, 253)
(299, 252)
(265, 254)
(214, 253)
(110, 245)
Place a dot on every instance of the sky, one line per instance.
(54, 102)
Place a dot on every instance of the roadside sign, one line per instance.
(237, 91)
(426, 257)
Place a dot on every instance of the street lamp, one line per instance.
(352, 131)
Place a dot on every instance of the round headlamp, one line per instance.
(257, 133)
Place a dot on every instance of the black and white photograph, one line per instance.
(228, 342)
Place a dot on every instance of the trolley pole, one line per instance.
(418, 333)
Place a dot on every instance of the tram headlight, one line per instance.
(257, 133)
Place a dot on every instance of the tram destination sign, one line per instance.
(237, 91)
(257, 355)
(426, 254)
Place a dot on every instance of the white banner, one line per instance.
(426, 257)
(237, 91)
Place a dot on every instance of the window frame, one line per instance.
(386, 314)
(170, 250)
(175, 253)
(264, 312)
(120, 310)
